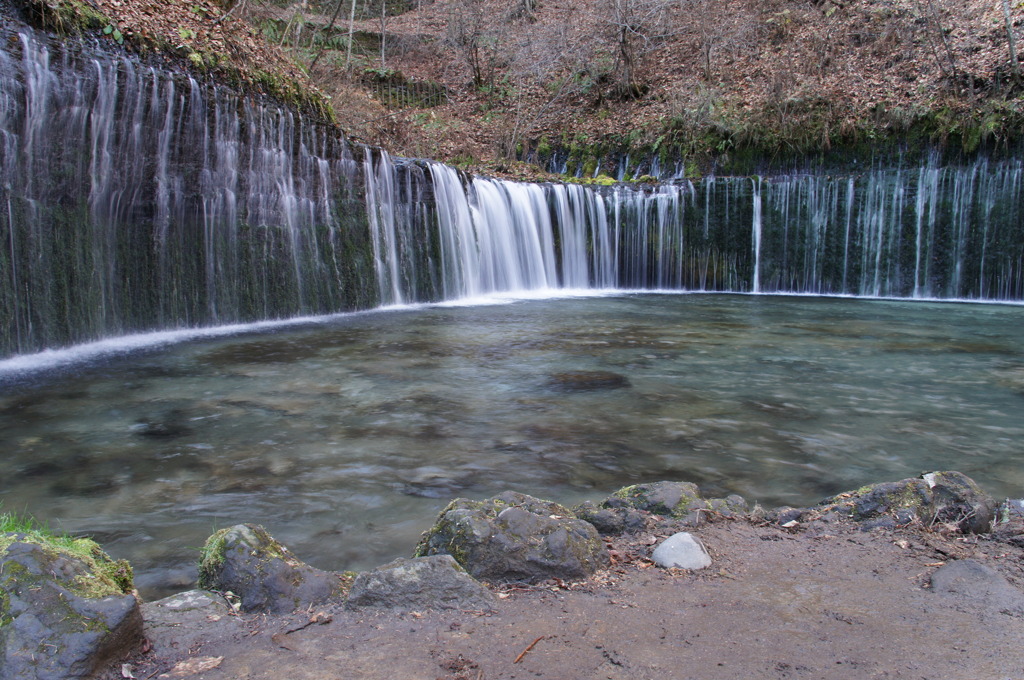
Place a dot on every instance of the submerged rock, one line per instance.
(948, 498)
(585, 381)
(515, 537)
(434, 582)
(681, 551)
(66, 611)
(247, 561)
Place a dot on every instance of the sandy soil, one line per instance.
(817, 601)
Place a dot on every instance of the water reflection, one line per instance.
(345, 438)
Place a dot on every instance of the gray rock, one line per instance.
(934, 498)
(247, 561)
(182, 621)
(974, 581)
(676, 499)
(784, 515)
(63, 616)
(682, 551)
(435, 582)
(515, 537)
(611, 521)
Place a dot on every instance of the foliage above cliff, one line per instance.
(208, 38)
(701, 76)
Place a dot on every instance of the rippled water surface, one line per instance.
(344, 438)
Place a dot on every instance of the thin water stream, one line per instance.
(345, 437)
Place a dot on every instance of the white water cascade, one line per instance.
(134, 199)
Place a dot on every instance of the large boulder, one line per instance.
(66, 609)
(515, 538)
(247, 561)
(435, 582)
(936, 498)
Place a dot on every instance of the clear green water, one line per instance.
(344, 438)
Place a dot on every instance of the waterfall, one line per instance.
(756, 229)
(135, 199)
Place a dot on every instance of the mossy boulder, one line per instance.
(246, 560)
(674, 499)
(936, 498)
(660, 498)
(513, 537)
(66, 609)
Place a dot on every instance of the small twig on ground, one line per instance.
(528, 648)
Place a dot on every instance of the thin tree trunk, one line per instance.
(351, 33)
(1014, 64)
(383, 33)
(334, 17)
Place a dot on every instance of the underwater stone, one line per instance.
(48, 628)
(585, 381)
(434, 582)
(246, 560)
(513, 537)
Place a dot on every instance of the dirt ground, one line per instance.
(817, 601)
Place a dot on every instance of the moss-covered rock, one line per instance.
(660, 498)
(246, 560)
(66, 608)
(936, 498)
(679, 500)
(513, 537)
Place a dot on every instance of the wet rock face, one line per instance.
(515, 538)
(435, 582)
(48, 628)
(949, 498)
(246, 560)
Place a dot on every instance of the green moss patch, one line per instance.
(104, 576)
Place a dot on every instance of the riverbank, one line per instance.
(814, 600)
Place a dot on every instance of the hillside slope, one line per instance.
(481, 83)
(700, 77)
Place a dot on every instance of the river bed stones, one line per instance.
(434, 582)
(246, 560)
(63, 615)
(513, 537)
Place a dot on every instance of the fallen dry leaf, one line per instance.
(183, 669)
